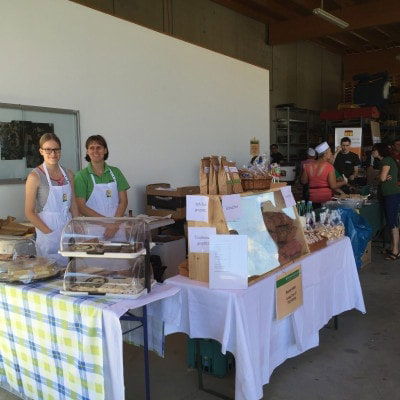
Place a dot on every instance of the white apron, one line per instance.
(104, 199)
(55, 215)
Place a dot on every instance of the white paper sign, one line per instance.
(197, 208)
(228, 262)
(288, 196)
(232, 207)
(199, 239)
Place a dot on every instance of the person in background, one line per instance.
(311, 154)
(310, 158)
(49, 198)
(320, 176)
(276, 157)
(100, 189)
(346, 162)
(395, 149)
(391, 195)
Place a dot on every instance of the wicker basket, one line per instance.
(256, 184)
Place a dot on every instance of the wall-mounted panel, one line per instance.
(161, 103)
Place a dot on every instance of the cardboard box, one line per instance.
(172, 251)
(366, 257)
(163, 200)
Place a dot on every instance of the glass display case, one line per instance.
(104, 238)
(19, 264)
(110, 256)
(27, 270)
(12, 248)
(117, 278)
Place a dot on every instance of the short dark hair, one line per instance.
(273, 145)
(97, 139)
(345, 139)
(382, 148)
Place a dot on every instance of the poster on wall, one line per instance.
(20, 139)
(11, 140)
(354, 134)
(375, 132)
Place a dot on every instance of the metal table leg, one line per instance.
(143, 320)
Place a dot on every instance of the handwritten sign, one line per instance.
(228, 262)
(199, 239)
(288, 196)
(197, 208)
(289, 292)
(232, 207)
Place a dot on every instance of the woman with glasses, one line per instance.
(49, 198)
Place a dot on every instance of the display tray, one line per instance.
(96, 294)
(103, 255)
(97, 249)
(54, 275)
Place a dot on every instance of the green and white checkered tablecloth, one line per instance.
(50, 344)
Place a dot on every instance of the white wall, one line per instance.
(160, 102)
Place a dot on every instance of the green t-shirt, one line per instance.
(83, 182)
(391, 186)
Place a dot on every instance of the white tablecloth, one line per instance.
(112, 342)
(244, 320)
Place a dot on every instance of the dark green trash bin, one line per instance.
(213, 362)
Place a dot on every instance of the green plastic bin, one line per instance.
(213, 362)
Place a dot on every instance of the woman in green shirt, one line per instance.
(100, 189)
(391, 194)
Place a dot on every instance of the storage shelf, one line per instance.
(290, 120)
(299, 123)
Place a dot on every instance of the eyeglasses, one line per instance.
(49, 151)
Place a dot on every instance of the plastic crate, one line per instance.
(213, 362)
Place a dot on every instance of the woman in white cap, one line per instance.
(320, 176)
(49, 198)
(310, 158)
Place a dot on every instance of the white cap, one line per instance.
(322, 147)
(311, 152)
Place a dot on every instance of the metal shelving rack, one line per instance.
(293, 130)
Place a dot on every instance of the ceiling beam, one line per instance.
(249, 9)
(277, 8)
(350, 41)
(329, 45)
(374, 37)
(377, 61)
(358, 16)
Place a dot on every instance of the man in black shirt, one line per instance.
(276, 157)
(347, 162)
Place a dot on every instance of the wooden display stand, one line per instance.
(198, 263)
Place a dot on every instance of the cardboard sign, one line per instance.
(231, 207)
(199, 239)
(197, 208)
(376, 132)
(289, 292)
(288, 196)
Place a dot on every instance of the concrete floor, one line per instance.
(359, 361)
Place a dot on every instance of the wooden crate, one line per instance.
(162, 201)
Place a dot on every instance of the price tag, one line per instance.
(288, 196)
